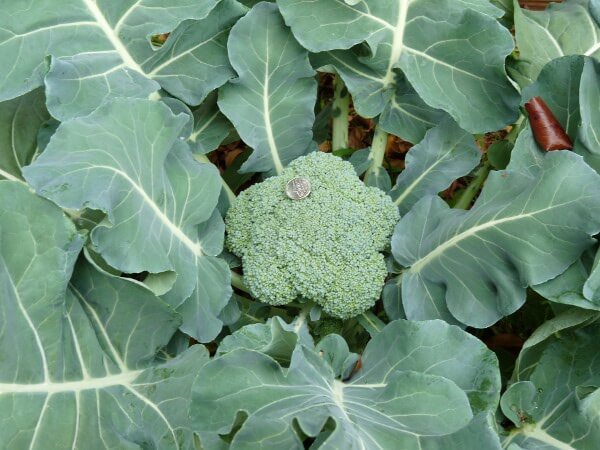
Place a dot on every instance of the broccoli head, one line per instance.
(324, 248)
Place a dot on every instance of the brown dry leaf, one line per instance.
(396, 152)
(231, 155)
(359, 135)
(325, 146)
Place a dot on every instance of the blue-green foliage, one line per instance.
(325, 248)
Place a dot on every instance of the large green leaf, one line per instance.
(127, 160)
(418, 382)
(446, 153)
(102, 49)
(211, 127)
(554, 400)
(428, 41)
(529, 224)
(20, 120)
(78, 359)
(271, 103)
(545, 35)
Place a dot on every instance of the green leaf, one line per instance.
(193, 61)
(554, 400)
(412, 388)
(558, 85)
(446, 153)
(350, 24)
(576, 286)
(334, 349)
(20, 120)
(371, 323)
(275, 338)
(127, 160)
(428, 42)
(361, 160)
(475, 265)
(406, 114)
(498, 154)
(79, 367)
(569, 86)
(392, 298)
(546, 35)
(480, 434)
(589, 99)
(570, 318)
(591, 287)
(506, 6)
(103, 49)
(211, 127)
(271, 103)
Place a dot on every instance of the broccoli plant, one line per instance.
(325, 247)
(281, 225)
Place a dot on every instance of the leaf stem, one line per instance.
(301, 318)
(378, 147)
(466, 198)
(370, 322)
(237, 281)
(516, 129)
(11, 177)
(340, 112)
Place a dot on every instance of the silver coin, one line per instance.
(297, 188)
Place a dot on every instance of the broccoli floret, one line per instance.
(328, 325)
(324, 247)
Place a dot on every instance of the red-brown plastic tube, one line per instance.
(547, 131)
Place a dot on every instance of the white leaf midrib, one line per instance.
(112, 35)
(398, 46)
(50, 387)
(538, 434)
(411, 187)
(156, 70)
(30, 324)
(194, 247)
(267, 112)
(398, 106)
(397, 41)
(194, 136)
(592, 49)
(93, 315)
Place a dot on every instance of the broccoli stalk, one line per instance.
(325, 248)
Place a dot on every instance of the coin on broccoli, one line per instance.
(325, 247)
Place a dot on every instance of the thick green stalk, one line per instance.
(466, 198)
(516, 129)
(302, 317)
(377, 155)
(237, 281)
(340, 111)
